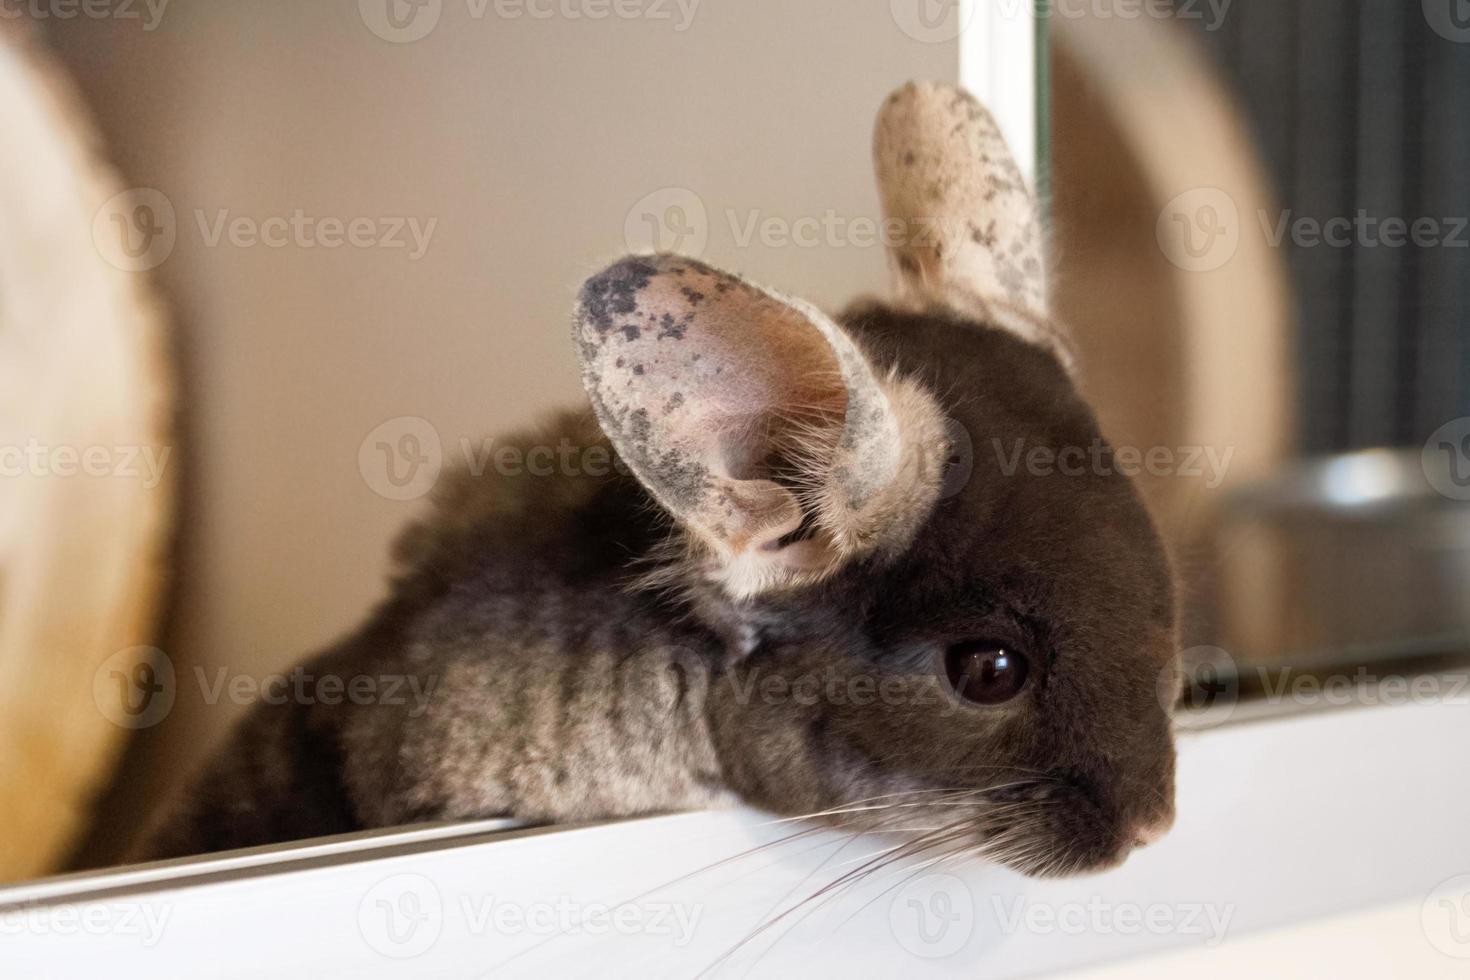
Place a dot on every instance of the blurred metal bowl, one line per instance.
(1343, 552)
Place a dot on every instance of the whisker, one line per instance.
(828, 890)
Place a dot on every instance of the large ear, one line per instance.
(971, 239)
(755, 420)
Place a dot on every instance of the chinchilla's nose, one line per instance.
(1152, 829)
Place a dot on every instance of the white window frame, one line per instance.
(1280, 821)
(997, 64)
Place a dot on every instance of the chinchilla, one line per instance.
(807, 562)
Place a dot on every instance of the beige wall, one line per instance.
(527, 141)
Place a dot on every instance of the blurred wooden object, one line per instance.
(85, 397)
(1186, 352)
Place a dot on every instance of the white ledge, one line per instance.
(1280, 821)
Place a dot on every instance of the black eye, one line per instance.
(985, 672)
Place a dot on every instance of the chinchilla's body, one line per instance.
(786, 559)
(535, 681)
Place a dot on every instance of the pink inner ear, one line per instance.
(732, 406)
(705, 366)
(753, 360)
(741, 452)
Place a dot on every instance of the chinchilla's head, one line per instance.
(951, 614)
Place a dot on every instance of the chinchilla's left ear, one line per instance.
(973, 240)
(755, 420)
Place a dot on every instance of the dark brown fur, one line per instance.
(758, 611)
(514, 577)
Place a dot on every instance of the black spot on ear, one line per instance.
(694, 296)
(673, 328)
(631, 331)
(637, 368)
(614, 291)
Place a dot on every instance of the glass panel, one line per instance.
(1261, 214)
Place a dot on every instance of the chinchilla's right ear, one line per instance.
(973, 240)
(756, 421)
